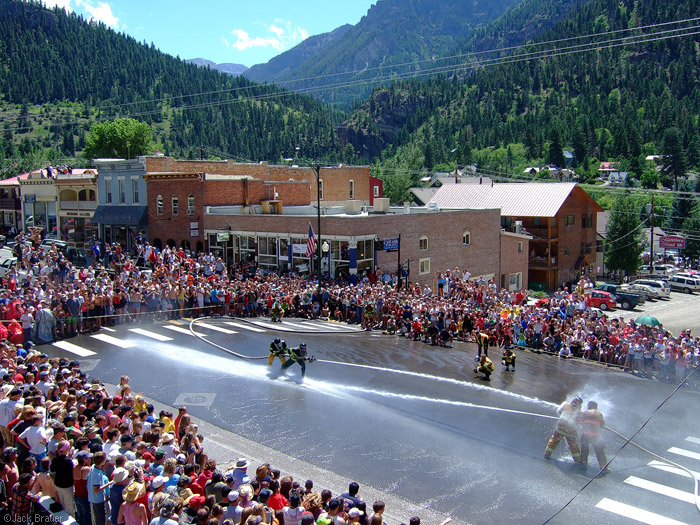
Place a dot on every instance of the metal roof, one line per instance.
(530, 199)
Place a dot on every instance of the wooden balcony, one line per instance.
(543, 233)
(542, 262)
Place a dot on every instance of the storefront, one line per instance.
(281, 252)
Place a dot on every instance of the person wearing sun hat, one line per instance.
(131, 511)
(240, 473)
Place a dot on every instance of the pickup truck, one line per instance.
(627, 300)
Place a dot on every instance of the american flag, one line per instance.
(311, 244)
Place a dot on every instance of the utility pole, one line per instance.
(651, 249)
(317, 172)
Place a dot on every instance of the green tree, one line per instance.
(691, 227)
(123, 138)
(556, 150)
(623, 247)
(650, 179)
(675, 165)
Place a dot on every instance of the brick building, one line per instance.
(338, 183)
(176, 202)
(561, 217)
(429, 241)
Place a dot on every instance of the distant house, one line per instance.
(618, 178)
(608, 167)
(569, 157)
(532, 170)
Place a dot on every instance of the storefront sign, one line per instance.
(672, 241)
(194, 233)
(223, 236)
(299, 249)
(391, 244)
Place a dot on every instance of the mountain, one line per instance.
(59, 74)
(395, 37)
(603, 101)
(230, 69)
(285, 63)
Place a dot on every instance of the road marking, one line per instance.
(181, 330)
(108, 329)
(113, 340)
(330, 326)
(246, 326)
(174, 322)
(674, 470)
(305, 326)
(73, 348)
(152, 335)
(216, 328)
(652, 486)
(693, 440)
(271, 325)
(683, 452)
(628, 511)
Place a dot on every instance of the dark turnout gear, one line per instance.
(298, 355)
(508, 359)
(278, 348)
(566, 428)
(486, 367)
(593, 423)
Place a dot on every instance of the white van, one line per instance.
(681, 283)
(660, 286)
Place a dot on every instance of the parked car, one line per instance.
(628, 300)
(7, 264)
(61, 246)
(661, 269)
(647, 292)
(660, 286)
(684, 284)
(600, 299)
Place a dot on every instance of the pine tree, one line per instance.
(623, 247)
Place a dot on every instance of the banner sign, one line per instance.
(672, 241)
(299, 249)
(391, 244)
(223, 236)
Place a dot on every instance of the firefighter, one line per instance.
(508, 359)
(566, 428)
(486, 367)
(278, 348)
(482, 342)
(298, 355)
(593, 423)
(276, 313)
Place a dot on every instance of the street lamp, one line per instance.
(317, 172)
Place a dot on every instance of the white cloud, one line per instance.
(281, 35)
(100, 11)
(225, 42)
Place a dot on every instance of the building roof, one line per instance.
(531, 199)
(423, 195)
(14, 181)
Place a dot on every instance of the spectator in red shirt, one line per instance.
(277, 501)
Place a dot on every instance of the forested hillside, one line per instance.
(614, 103)
(59, 73)
(396, 37)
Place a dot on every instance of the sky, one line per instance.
(244, 32)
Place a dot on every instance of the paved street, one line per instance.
(411, 422)
(677, 313)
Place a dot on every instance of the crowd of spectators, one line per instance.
(47, 298)
(64, 435)
(108, 456)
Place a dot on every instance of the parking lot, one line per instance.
(678, 312)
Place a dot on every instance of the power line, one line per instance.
(525, 56)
